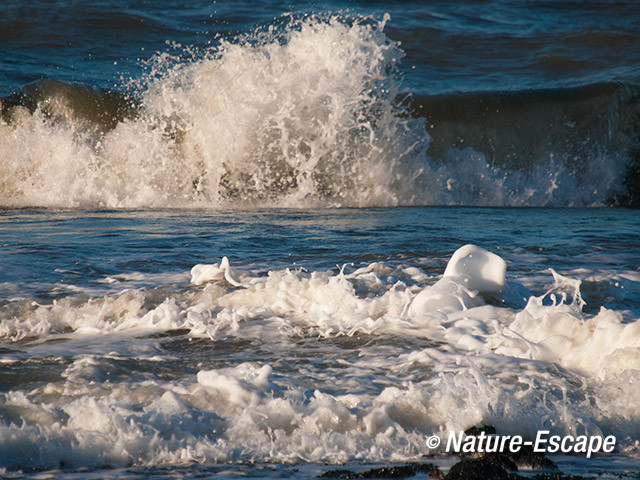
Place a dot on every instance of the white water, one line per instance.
(303, 114)
(421, 355)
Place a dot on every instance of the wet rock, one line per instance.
(398, 471)
(342, 473)
(478, 429)
(479, 469)
(525, 458)
(558, 476)
(501, 466)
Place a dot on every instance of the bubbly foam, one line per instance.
(305, 112)
(358, 364)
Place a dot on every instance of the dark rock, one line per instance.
(525, 458)
(337, 474)
(558, 476)
(477, 430)
(399, 471)
(479, 469)
(500, 459)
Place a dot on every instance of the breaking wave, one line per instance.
(310, 112)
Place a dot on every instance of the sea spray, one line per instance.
(304, 115)
(308, 111)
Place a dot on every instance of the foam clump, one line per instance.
(238, 386)
(202, 273)
(471, 274)
(477, 269)
(599, 346)
(168, 403)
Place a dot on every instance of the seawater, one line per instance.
(225, 227)
(324, 108)
(325, 341)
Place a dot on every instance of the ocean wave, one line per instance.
(311, 111)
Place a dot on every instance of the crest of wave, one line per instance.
(302, 112)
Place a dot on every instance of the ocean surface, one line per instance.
(228, 233)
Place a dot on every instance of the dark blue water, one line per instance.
(450, 46)
(62, 248)
(336, 155)
(510, 103)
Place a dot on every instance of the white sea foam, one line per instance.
(302, 114)
(546, 364)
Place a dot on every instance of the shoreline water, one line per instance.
(606, 468)
(113, 318)
(215, 258)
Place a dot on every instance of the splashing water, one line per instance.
(300, 115)
(306, 112)
(295, 366)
